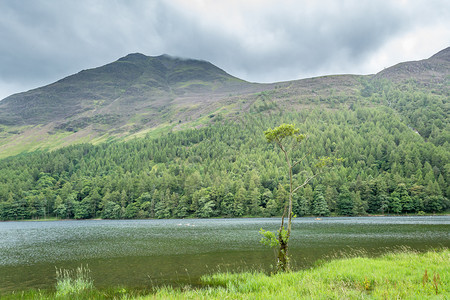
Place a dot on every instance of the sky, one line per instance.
(43, 41)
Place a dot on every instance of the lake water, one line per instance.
(144, 253)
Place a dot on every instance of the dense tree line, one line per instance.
(228, 169)
(425, 109)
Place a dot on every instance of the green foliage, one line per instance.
(320, 205)
(283, 235)
(70, 283)
(280, 133)
(345, 202)
(268, 238)
(403, 275)
(236, 170)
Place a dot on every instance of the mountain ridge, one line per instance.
(138, 94)
(438, 65)
(444, 54)
(125, 78)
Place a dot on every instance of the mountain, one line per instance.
(138, 95)
(164, 137)
(132, 94)
(135, 82)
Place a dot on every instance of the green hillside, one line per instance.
(138, 94)
(204, 153)
(135, 94)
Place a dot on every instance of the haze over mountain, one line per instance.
(138, 94)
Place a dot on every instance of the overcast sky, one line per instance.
(257, 40)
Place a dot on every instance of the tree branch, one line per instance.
(299, 161)
(306, 182)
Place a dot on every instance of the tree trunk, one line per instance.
(283, 260)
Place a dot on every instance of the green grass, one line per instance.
(33, 141)
(41, 220)
(151, 132)
(73, 282)
(111, 293)
(402, 275)
(76, 284)
(392, 276)
(189, 83)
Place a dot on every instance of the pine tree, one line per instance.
(320, 207)
(345, 202)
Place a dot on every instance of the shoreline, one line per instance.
(447, 214)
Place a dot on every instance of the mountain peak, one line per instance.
(138, 57)
(149, 82)
(133, 57)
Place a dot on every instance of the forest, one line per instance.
(394, 142)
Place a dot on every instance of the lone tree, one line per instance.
(287, 137)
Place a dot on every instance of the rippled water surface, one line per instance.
(142, 253)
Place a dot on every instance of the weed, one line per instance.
(425, 278)
(70, 282)
(436, 282)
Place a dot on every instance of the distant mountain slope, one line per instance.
(436, 69)
(133, 82)
(138, 94)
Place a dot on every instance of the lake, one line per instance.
(144, 253)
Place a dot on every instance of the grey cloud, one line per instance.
(263, 41)
(308, 43)
(314, 43)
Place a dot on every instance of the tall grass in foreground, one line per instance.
(405, 275)
(402, 275)
(72, 282)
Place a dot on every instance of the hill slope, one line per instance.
(138, 94)
(133, 82)
(134, 93)
(392, 131)
(435, 69)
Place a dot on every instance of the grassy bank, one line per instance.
(402, 275)
(405, 275)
